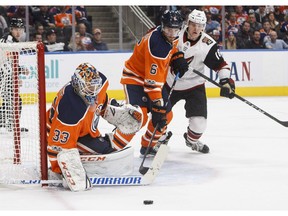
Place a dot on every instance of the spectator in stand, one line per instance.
(255, 42)
(233, 24)
(39, 28)
(275, 43)
(98, 44)
(244, 35)
(20, 12)
(261, 14)
(265, 31)
(279, 16)
(273, 22)
(215, 34)
(63, 18)
(213, 9)
(86, 37)
(231, 41)
(184, 11)
(79, 46)
(285, 38)
(283, 9)
(284, 28)
(51, 44)
(81, 16)
(241, 15)
(10, 10)
(211, 24)
(254, 25)
(3, 22)
(37, 37)
(44, 17)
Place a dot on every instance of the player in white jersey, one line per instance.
(199, 50)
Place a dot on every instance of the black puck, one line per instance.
(148, 202)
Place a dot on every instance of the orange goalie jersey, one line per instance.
(149, 63)
(65, 126)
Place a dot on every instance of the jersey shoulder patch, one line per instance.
(207, 40)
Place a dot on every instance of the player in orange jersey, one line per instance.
(144, 75)
(72, 119)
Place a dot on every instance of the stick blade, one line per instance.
(157, 163)
(143, 170)
(285, 124)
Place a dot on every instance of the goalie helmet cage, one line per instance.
(23, 155)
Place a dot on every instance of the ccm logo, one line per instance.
(92, 158)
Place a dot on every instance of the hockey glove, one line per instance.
(228, 88)
(179, 64)
(158, 115)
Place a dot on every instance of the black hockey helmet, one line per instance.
(16, 23)
(171, 19)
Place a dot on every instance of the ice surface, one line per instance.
(246, 169)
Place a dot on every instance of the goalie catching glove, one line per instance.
(179, 64)
(228, 88)
(127, 118)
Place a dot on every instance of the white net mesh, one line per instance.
(19, 112)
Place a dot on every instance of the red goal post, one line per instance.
(23, 154)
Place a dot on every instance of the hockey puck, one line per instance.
(148, 202)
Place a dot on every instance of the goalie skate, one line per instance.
(196, 146)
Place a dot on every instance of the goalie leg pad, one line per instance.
(116, 163)
(127, 118)
(72, 170)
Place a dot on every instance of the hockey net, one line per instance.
(22, 112)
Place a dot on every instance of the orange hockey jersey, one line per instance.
(149, 63)
(70, 118)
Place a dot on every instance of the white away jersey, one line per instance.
(199, 53)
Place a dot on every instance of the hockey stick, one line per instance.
(129, 180)
(284, 123)
(143, 170)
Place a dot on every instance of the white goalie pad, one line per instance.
(115, 163)
(127, 118)
(72, 170)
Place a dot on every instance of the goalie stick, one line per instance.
(125, 180)
(142, 169)
(284, 123)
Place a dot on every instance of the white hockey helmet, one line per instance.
(199, 17)
(87, 82)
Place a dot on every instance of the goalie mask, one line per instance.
(87, 82)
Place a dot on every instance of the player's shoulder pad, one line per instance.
(103, 77)
(76, 105)
(158, 45)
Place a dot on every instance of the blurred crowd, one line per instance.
(245, 27)
(52, 25)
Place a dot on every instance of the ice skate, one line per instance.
(196, 146)
(162, 141)
(151, 152)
